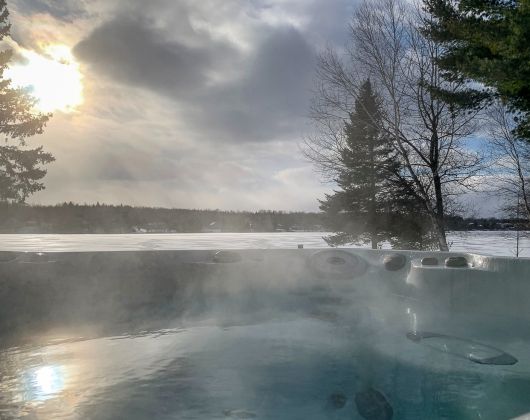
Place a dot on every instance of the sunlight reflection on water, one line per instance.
(44, 382)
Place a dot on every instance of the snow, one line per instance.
(480, 242)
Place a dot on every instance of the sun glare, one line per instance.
(53, 78)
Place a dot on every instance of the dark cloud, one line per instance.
(263, 103)
(133, 52)
(271, 97)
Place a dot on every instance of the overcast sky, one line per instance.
(192, 104)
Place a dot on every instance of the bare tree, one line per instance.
(429, 135)
(511, 160)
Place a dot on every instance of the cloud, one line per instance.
(133, 52)
(267, 100)
(270, 101)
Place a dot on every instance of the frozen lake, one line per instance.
(481, 242)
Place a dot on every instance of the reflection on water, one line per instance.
(272, 370)
(58, 378)
(44, 382)
(28, 381)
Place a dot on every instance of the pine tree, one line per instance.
(486, 41)
(360, 208)
(20, 167)
(373, 204)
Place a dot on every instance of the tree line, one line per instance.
(103, 218)
(417, 110)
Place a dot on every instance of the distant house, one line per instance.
(280, 228)
(213, 227)
(153, 227)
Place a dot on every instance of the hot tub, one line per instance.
(265, 334)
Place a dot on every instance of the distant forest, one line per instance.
(101, 218)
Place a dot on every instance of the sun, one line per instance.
(53, 78)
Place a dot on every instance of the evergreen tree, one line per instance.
(360, 208)
(373, 203)
(486, 41)
(409, 225)
(20, 167)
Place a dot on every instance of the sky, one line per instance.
(177, 103)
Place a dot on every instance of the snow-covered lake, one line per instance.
(482, 242)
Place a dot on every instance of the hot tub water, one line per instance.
(271, 335)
